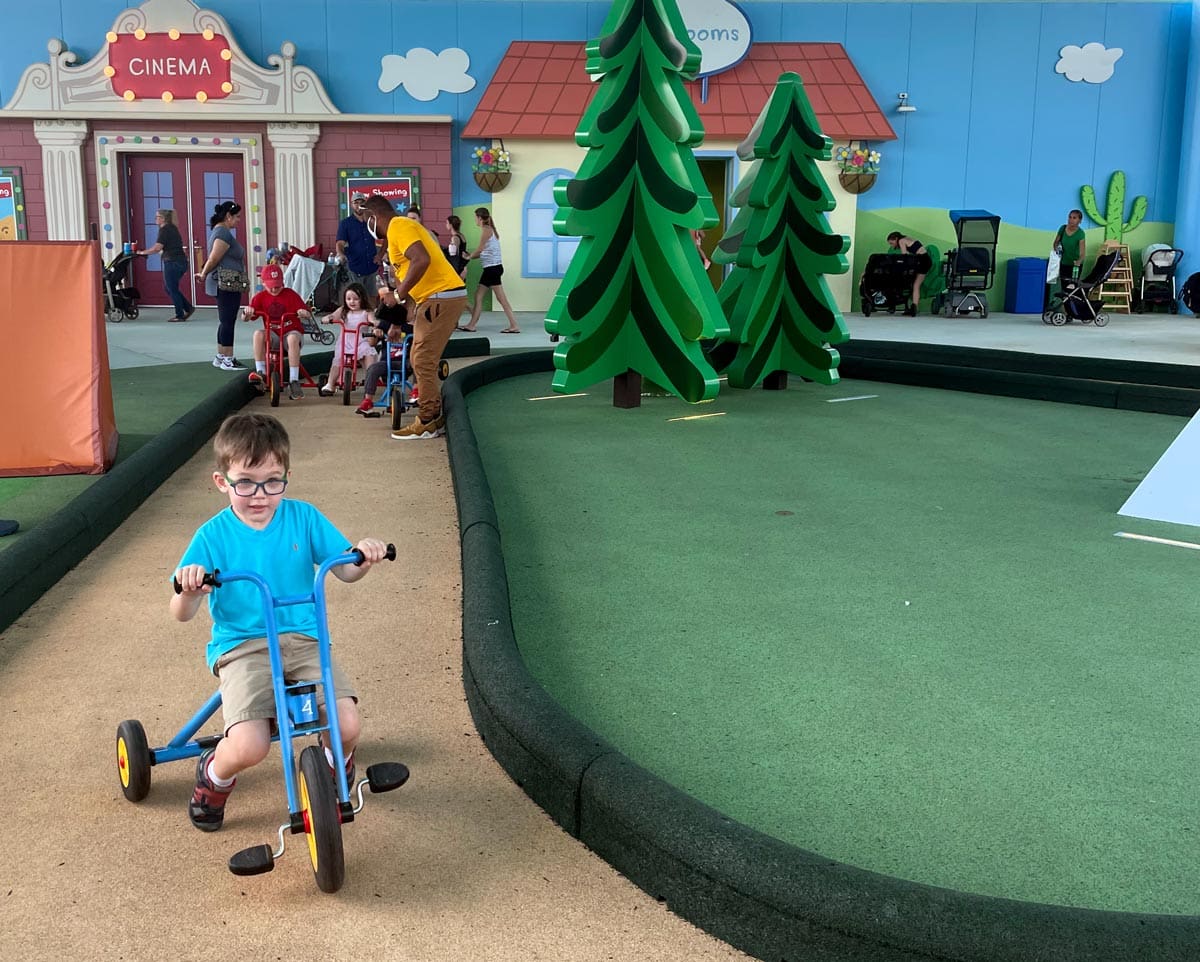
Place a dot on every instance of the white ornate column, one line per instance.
(62, 170)
(295, 213)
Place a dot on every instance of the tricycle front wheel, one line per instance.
(133, 760)
(322, 820)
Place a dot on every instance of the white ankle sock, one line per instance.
(219, 782)
(260, 366)
(295, 373)
(329, 756)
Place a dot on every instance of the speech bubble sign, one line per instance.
(719, 29)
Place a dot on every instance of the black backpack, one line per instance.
(1190, 294)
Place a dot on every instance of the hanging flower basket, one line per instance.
(492, 180)
(856, 183)
(857, 167)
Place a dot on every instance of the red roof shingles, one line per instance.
(541, 89)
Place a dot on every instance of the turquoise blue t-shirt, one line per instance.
(284, 554)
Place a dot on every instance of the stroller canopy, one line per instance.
(976, 227)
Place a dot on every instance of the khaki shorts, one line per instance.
(247, 692)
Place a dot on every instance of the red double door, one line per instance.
(191, 185)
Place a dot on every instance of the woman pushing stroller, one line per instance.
(923, 264)
(1071, 244)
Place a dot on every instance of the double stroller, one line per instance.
(887, 282)
(120, 296)
(1159, 263)
(1075, 303)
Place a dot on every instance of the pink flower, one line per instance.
(488, 157)
(856, 160)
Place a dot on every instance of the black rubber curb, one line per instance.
(767, 898)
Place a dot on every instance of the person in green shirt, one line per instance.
(1071, 243)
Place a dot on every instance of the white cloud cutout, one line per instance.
(1091, 63)
(425, 74)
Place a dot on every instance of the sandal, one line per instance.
(510, 330)
(469, 330)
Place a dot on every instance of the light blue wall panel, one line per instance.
(814, 22)
(999, 131)
(1065, 116)
(1130, 128)
(554, 21)
(877, 40)
(354, 49)
(940, 78)
(765, 20)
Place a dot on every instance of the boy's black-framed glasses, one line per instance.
(245, 488)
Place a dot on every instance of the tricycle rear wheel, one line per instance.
(133, 760)
(322, 820)
(276, 388)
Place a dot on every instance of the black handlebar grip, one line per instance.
(209, 579)
(390, 556)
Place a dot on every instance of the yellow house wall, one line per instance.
(531, 158)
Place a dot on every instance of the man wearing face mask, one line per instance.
(355, 245)
(425, 277)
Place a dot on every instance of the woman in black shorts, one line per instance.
(488, 252)
(924, 264)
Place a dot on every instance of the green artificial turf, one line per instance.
(896, 631)
(146, 400)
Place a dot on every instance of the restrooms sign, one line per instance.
(719, 29)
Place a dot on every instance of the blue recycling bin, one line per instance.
(1025, 288)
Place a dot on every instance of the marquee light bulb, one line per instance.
(167, 96)
(201, 96)
(129, 95)
(173, 33)
(140, 33)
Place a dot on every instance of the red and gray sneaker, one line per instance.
(257, 381)
(367, 406)
(207, 807)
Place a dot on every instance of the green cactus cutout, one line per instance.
(780, 311)
(635, 298)
(1114, 230)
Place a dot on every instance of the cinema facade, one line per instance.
(172, 113)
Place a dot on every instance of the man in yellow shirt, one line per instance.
(424, 276)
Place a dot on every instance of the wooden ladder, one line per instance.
(1117, 292)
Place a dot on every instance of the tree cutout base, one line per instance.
(627, 390)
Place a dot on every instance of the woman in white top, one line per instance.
(488, 252)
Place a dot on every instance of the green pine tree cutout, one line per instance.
(780, 311)
(635, 297)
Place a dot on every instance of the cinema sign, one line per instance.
(169, 66)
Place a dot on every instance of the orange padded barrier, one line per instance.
(55, 395)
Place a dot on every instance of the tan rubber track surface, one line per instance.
(457, 865)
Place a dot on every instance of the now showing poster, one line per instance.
(12, 204)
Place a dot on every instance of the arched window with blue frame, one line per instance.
(546, 253)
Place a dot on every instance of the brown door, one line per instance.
(191, 185)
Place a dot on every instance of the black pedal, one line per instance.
(252, 861)
(386, 776)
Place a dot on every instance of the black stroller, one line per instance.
(971, 267)
(1074, 301)
(1159, 263)
(887, 282)
(120, 296)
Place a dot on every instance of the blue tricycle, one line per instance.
(319, 801)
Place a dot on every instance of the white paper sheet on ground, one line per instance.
(1171, 491)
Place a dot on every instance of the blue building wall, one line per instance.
(995, 126)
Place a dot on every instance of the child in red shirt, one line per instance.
(273, 303)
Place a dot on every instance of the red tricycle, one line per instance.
(269, 344)
(346, 360)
